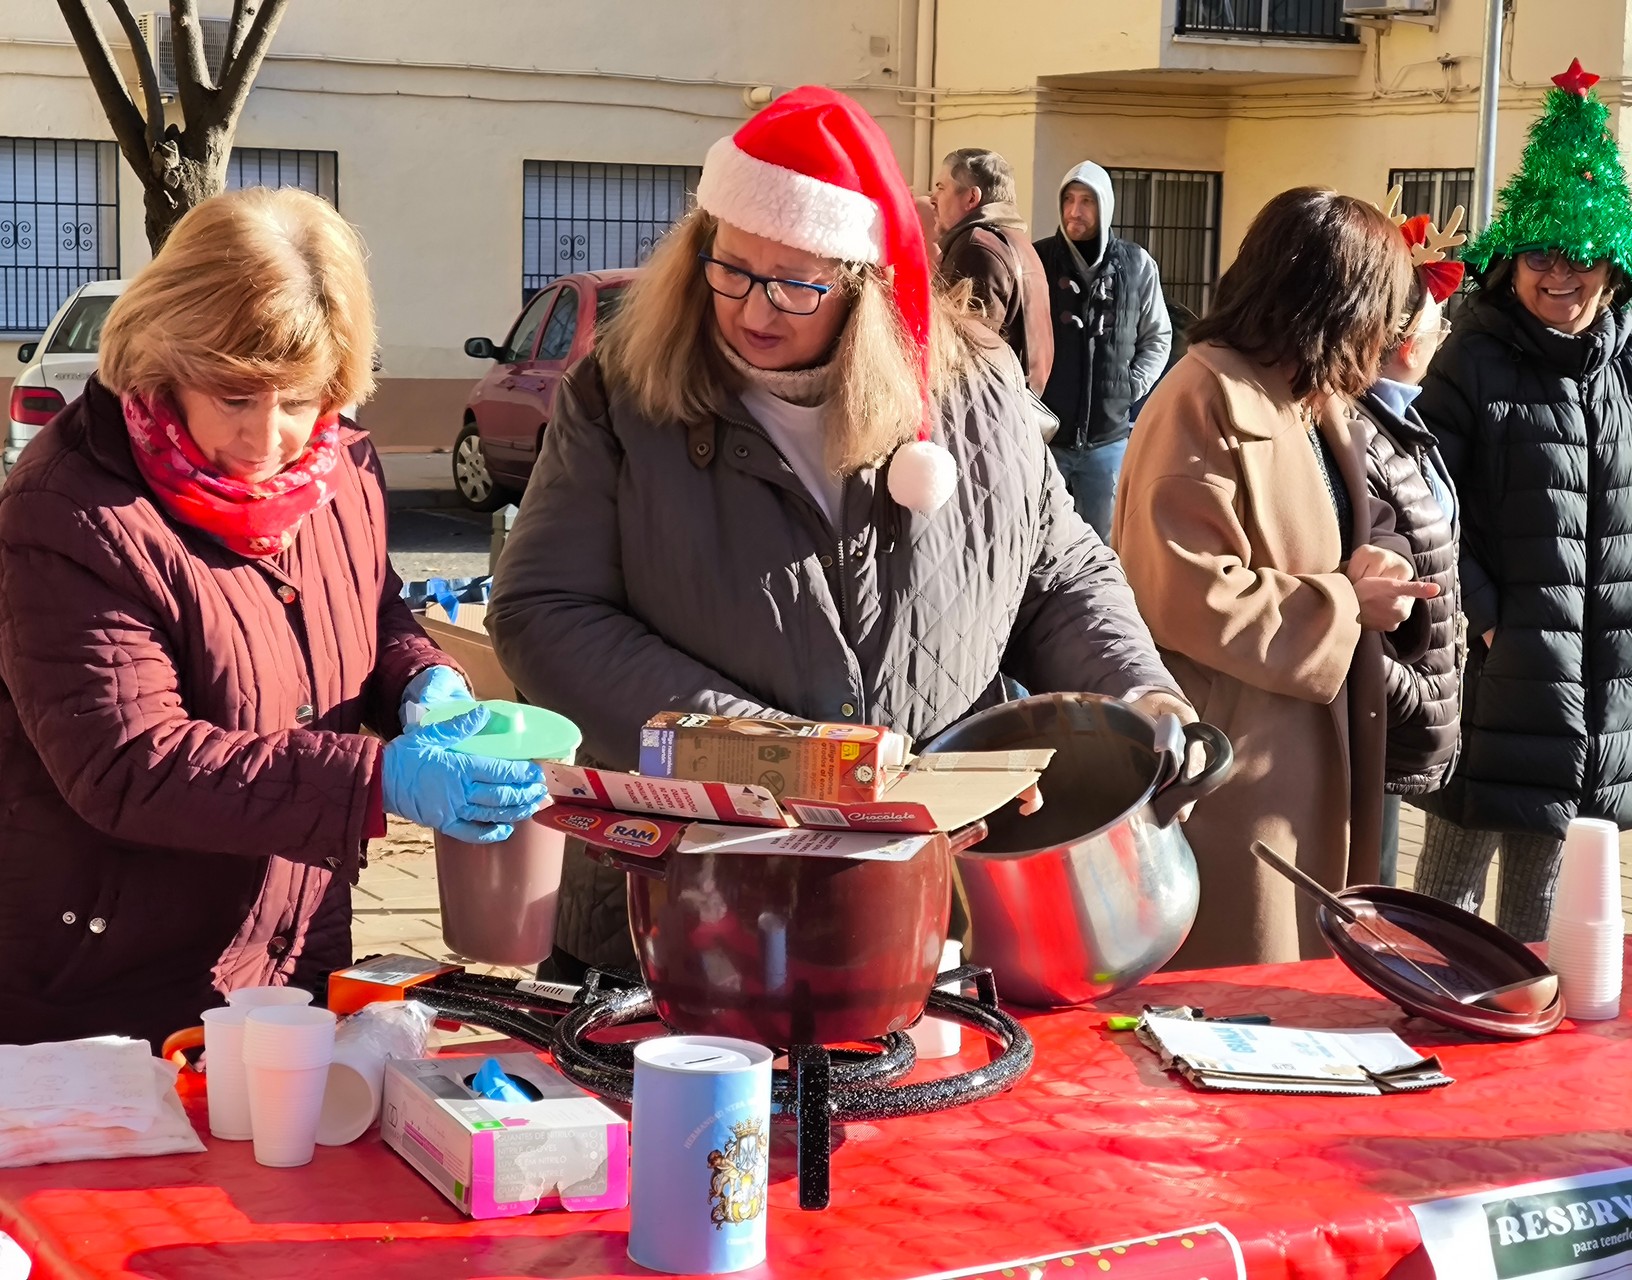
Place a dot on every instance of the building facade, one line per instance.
(485, 150)
(482, 150)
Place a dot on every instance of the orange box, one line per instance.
(382, 978)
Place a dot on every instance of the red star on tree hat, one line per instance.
(1576, 80)
(814, 171)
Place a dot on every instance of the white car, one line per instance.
(56, 367)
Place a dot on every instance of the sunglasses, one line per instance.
(1543, 260)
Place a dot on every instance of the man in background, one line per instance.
(984, 240)
(1111, 339)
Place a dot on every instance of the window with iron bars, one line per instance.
(59, 225)
(1436, 192)
(1265, 20)
(592, 217)
(1174, 214)
(314, 171)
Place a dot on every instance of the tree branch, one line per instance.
(240, 73)
(128, 126)
(195, 85)
(243, 14)
(147, 75)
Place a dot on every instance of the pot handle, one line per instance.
(1183, 789)
(655, 867)
(964, 837)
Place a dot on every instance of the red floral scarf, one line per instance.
(254, 520)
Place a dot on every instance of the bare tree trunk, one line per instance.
(179, 167)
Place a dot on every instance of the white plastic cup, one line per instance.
(287, 1052)
(1588, 960)
(940, 1037)
(1589, 875)
(351, 1095)
(1585, 936)
(262, 997)
(227, 1089)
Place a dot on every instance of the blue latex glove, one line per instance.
(491, 1082)
(433, 687)
(474, 798)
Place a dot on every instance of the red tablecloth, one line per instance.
(1095, 1146)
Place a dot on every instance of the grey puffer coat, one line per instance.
(655, 567)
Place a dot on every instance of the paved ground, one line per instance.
(396, 906)
(442, 543)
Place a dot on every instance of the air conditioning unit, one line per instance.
(155, 29)
(1390, 8)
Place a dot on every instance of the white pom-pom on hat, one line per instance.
(815, 171)
(923, 475)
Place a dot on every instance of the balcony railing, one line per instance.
(1266, 19)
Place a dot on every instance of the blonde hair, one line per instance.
(661, 349)
(253, 289)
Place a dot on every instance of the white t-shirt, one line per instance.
(802, 438)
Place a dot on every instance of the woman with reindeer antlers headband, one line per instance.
(1405, 469)
(1267, 573)
(1531, 401)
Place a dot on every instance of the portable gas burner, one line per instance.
(822, 1085)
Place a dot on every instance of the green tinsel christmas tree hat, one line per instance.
(1570, 191)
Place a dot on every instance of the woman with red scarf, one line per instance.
(198, 622)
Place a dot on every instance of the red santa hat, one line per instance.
(814, 171)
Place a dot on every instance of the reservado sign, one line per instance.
(1566, 1229)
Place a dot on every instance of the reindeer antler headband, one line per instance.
(1430, 247)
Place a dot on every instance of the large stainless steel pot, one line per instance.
(1098, 889)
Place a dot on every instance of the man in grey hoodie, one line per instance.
(1111, 339)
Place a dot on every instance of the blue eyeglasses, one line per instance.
(796, 297)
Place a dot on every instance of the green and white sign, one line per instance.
(1566, 1229)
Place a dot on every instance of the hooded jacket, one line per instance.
(1112, 333)
(990, 248)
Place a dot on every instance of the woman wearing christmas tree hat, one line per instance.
(1531, 400)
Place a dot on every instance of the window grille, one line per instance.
(59, 225)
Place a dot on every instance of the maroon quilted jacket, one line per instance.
(184, 784)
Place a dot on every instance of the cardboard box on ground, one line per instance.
(464, 638)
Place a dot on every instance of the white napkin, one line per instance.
(89, 1100)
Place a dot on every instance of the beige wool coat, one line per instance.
(1231, 544)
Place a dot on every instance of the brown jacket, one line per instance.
(990, 249)
(184, 784)
(1228, 538)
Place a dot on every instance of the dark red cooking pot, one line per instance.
(785, 950)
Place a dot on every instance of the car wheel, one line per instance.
(474, 482)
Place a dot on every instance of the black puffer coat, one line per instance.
(1424, 696)
(1536, 428)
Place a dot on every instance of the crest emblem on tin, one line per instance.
(740, 1175)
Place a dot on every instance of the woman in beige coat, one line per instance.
(1265, 570)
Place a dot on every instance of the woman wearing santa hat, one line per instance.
(793, 481)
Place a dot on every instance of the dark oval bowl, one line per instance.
(786, 950)
(1463, 951)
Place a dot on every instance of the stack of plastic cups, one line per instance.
(1585, 936)
(287, 1051)
(224, 1073)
